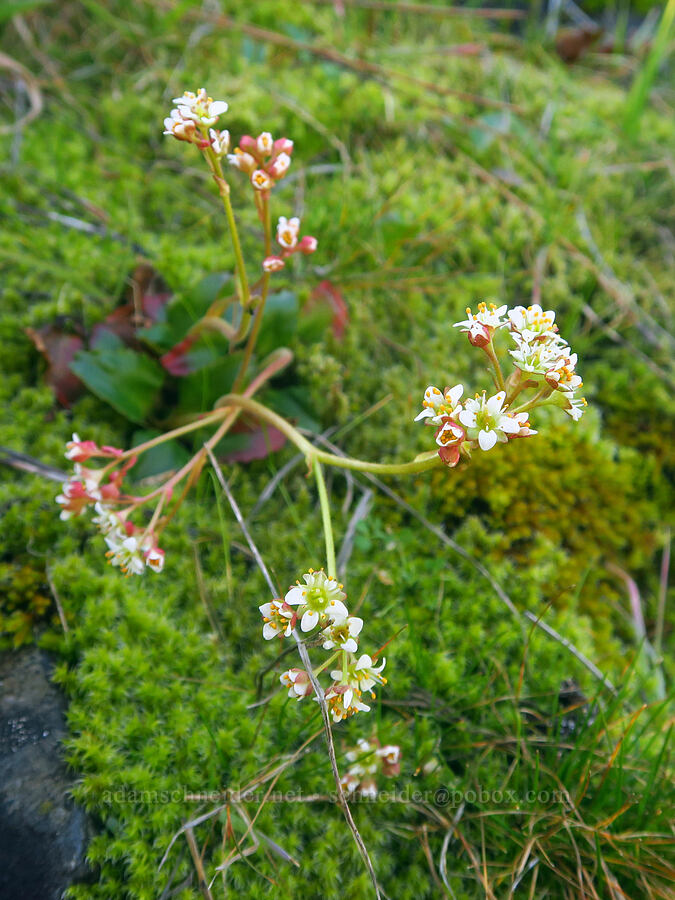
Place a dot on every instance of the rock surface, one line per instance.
(43, 836)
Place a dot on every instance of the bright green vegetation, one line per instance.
(423, 203)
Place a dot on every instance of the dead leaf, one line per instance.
(59, 349)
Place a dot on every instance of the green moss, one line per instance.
(408, 202)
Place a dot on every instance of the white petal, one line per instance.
(364, 662)
(295, 596)
(453, 395)
(355, 625)
(309, 620)
(468, 417)
(337, 610)
(426, 412)
(217, 108)
(487, 439)
(495, 403)
(347, 698)
(509, 425)
(265, 610)
(269, 631)
(350, 645)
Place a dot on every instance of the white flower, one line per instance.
(319, 596)
(537, 357)
(344, 701)
(298, 683)
(260, 180)
(479, 326)
(279, 619)
(350, 783)
(81, 490)
(367, 674)
(437, 404)
(576, 407)
(279, 165)
(342, 633)
(154, 559)
(562, 376)
(362, 675)
(487, 422)
(125, 552)
(273, 264)
(364, 758)
(241, 160)
(106, 519)
(533, 323)
(523, 421)
(199, 107)
(265, 143)
(287, 231)
(180, 127)
(391, 754)
(220, 141)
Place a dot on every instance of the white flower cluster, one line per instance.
(130, 548)
(193, 117)
(369, 759)
(542, 359)
(320, 602)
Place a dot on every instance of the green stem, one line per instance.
(257, 322)
(224, 191)
(490, 351)
(420, 464)
(169, 435)
(328, 662)
(325, 518)
(542, 394)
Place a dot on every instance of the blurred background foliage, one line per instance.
(441, 160)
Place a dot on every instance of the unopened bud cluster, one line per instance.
(319, 603)
(290, 242)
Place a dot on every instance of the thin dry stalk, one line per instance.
(318, 690)
(199, 866)
(57, 601)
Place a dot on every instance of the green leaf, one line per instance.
(181, 313)
(166, 457)
(279, 324)
(293, 403)
(127, 380)
(200, 390)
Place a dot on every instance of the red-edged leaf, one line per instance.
(326, 292)
(122, 323)
(59, 350)
(153, 305)
(248, 440)
(177, 361)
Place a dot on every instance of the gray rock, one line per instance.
(43, 835)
